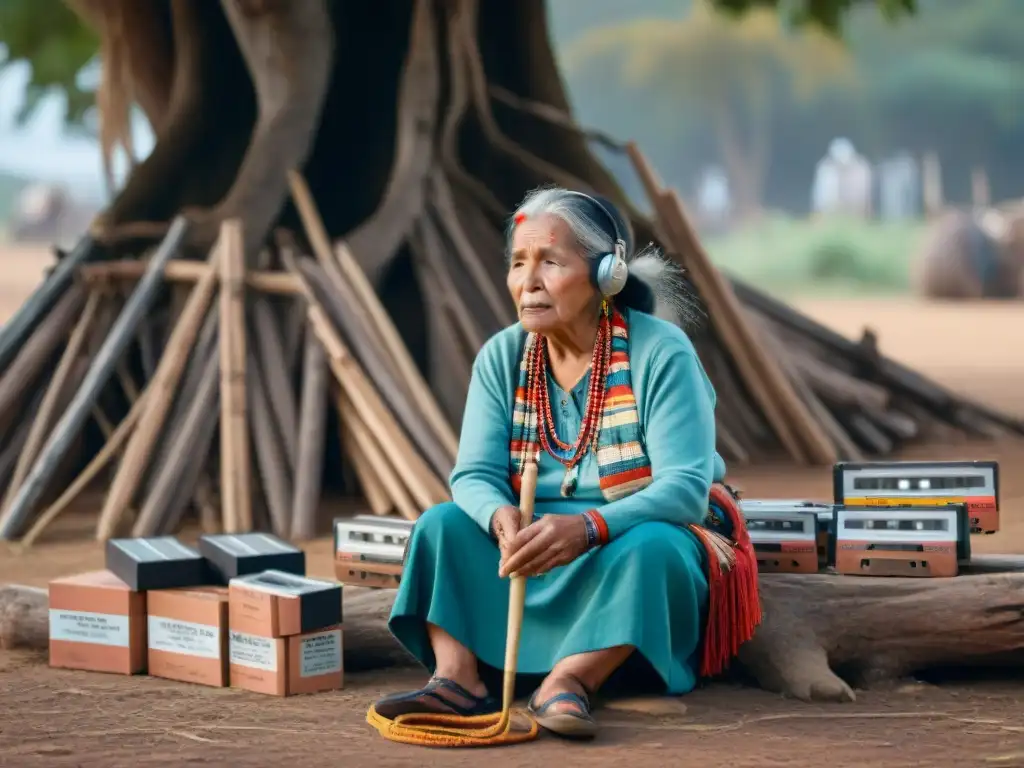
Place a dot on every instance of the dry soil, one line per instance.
(63, 718)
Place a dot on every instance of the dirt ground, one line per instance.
(64, 718)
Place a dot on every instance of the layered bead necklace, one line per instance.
(570, 455)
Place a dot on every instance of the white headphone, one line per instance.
(610, 270)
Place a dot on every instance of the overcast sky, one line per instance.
(44, 150)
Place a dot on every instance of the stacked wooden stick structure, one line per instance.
(230, 357)
(231, 419)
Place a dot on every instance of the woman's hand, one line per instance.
(505, 526)
(552, 541)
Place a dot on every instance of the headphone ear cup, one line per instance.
(612, 273)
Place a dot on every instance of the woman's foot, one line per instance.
(562, 706)
(440, 695)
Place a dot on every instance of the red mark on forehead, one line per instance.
(520, 218)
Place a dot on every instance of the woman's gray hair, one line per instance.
(656, 284)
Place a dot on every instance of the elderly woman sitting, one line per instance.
(614, 405)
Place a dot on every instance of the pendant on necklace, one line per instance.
(571, 480)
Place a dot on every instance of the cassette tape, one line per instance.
(823, 518)
(912, 541)
(784, 535)
(370, 528)
(369, 551)
(927, 483)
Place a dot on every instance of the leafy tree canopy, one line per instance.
(825, 14)
(52, 39)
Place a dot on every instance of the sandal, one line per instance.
(573, 725)
(439, 696)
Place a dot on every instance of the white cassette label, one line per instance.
(86, 627)
(186, 637)
(253, 651)
(320, 654)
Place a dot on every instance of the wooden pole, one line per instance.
(190, 479)
(360, 284)
(269, 453)
(234, 427)
(273, 361)
(199, 420)
(793, 424)
(182, 271)
(376, 473)
(309, 462)
(21, 324)
(394, 393)
(376, 497)
(33, 355)
(99, 372)
(114, 442)
(58, 384)
(162, 390)
(419, 478)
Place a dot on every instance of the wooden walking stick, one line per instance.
(441, 730)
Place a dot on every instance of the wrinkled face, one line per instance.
(548, 277)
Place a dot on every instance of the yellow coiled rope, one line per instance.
(444, 730)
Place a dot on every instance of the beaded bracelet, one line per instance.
(597, 528)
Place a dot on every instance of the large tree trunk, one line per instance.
(392, 121)
(822, 635)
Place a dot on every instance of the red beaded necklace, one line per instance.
(537, 389)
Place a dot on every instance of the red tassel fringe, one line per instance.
(734, 604)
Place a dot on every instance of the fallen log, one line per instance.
(822, 635)
(871, 630)
(24, 617)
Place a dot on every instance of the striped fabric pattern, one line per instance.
(622, 462)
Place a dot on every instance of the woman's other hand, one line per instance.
(505, 526)
(551, 541)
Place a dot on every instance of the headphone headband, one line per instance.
(609, 271)
(620, 236)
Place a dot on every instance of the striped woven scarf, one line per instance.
(734, 605)
(622, 462)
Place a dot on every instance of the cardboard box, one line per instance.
(231, 555)
(188, 635)
(315, 661)
(159, 562)
(286, 666)
(97, 624)
(278, 604)
(258, 664)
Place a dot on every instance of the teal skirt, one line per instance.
(647, 588)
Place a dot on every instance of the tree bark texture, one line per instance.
(257, 87)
